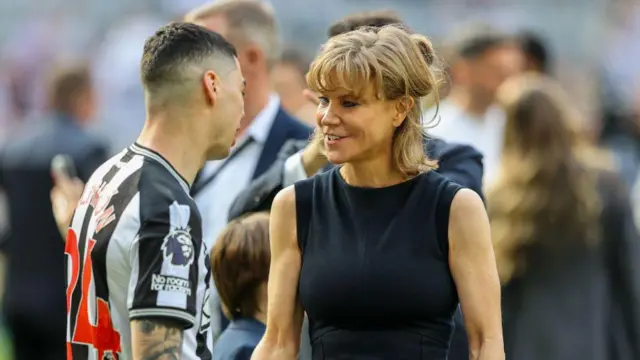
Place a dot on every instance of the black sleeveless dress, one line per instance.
(375, 279)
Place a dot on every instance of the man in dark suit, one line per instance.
(34, 303)
(299, 160)
(250, 25)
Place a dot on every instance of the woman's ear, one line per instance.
(402, 108)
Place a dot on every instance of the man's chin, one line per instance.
(218, 154)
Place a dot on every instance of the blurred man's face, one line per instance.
(289, 83)
(86, 105)
(219, 24)
(487, 72)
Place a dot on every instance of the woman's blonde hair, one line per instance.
(545, 194)
(398, 65)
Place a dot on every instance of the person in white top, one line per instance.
(481, 58)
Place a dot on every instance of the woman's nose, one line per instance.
(326, 116)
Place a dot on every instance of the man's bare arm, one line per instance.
(156, 339)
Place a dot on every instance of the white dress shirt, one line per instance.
(485, 133)
(293, 169)
(216, 198)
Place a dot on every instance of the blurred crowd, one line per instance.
(559, 138)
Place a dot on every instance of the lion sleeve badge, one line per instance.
(177, 247)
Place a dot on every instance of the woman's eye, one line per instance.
(323, 100)
(349, 104)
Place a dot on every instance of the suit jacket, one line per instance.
(238, 340)
(36, 270)
(284, 128)
(460, 163)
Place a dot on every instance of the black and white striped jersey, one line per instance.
(134, 249)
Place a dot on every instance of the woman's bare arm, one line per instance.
(473, 267)
(284, 313)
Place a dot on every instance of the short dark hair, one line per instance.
(240, 262)
(535, 48)
(66, 84)
(475, 40)
(178, 44)
(352, 22)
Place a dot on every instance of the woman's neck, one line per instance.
(373, 173)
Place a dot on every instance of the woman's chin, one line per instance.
(336, 158)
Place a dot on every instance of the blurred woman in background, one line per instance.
(564, 239)
(240, 266)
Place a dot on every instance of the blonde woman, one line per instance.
(565, 243)
(378, 250)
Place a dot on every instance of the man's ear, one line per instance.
(211, 85)
(252, 57)
(403, 106)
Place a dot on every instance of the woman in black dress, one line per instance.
(379, 249)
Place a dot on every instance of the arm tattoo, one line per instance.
(158, 339)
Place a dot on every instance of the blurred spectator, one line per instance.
(619, 88)
(621, 73)
(564, 239)
(376, 18)
(240, 263)
(537, 57)
(288, 77)
(627, 152)
(250, 25)
(65, 195)
(37, 43)
(33, 247)
(481, 58)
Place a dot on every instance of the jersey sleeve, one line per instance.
(164, 267)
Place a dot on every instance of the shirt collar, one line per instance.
(261, 125)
